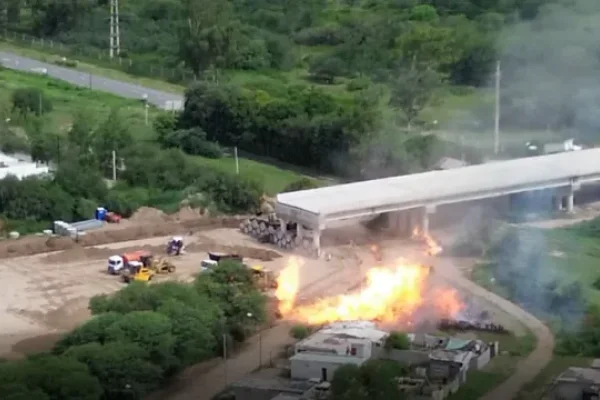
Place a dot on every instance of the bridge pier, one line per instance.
(570, 202)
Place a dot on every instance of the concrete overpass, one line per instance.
(315, 209)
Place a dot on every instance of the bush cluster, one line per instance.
(139, 337)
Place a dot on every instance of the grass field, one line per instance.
(68, 100)
(452, 105)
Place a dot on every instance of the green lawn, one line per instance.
(479, 382)
(46, 54)
(67, 100)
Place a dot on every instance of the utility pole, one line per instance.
(497, 112)
(225, 357)
(114, 165)
(115, 39)
(237, 160)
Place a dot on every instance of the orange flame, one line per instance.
(433, 248)
(288, 285)
(390, 295)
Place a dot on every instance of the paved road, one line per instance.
(96, 82)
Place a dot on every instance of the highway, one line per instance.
(158, 98)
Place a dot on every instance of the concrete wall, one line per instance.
(481, 361)
(304, 370)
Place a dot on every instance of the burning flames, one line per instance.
(389, 295)
(432, 247)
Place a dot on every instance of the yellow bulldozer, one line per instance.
(159, 266)
(264, 278)
(136, 271)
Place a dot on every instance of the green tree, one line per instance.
(149, 330)
(326, 68)
(193, 329)
(62, 378)
(112, 135)
(397, 340)
(31, 100)
(93, 331)
(347, 384)
(208, 35)
(412, 90)
(122, 369)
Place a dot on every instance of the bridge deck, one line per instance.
(446, 186)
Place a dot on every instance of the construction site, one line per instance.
(399, 283)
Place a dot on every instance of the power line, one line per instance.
(115, 37)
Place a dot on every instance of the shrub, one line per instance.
(397, 340)
(31, 100)
(330, 35)
(596, 284)
(232, 193)
(299, 332)
(326, 68)
(303, 183)
(358, 84)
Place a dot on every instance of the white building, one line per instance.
(20, 167)
(321, 354)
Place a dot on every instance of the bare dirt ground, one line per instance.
(47, 294)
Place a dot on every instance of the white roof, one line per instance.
(437, 186)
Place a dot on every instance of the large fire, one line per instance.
(390, 295)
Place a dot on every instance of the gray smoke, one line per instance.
(551, 69)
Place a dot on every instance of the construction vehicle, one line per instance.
(159, 266)
(117, 263)
(218, 257)
(264, 278)
(112, 217)
(136, 271)
(175, 246)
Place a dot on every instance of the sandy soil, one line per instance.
(46, 294)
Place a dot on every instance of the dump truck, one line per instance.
(116, 263)
(263, 278)
(136, 271)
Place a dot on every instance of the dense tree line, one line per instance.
(148, 175)
(413, 46)
(139, 337)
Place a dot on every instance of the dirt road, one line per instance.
(533, 364)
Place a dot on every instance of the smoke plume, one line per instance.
(551, 69)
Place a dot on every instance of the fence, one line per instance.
(99, 57)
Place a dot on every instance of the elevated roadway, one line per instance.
(318, 208)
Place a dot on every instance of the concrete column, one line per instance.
(557, 203)
(283, 225)
(317, 241)
(299, 230)
(570, 199)
(424, 222)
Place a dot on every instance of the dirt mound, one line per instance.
(30, 245)
(148, 214)
(186, 214)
